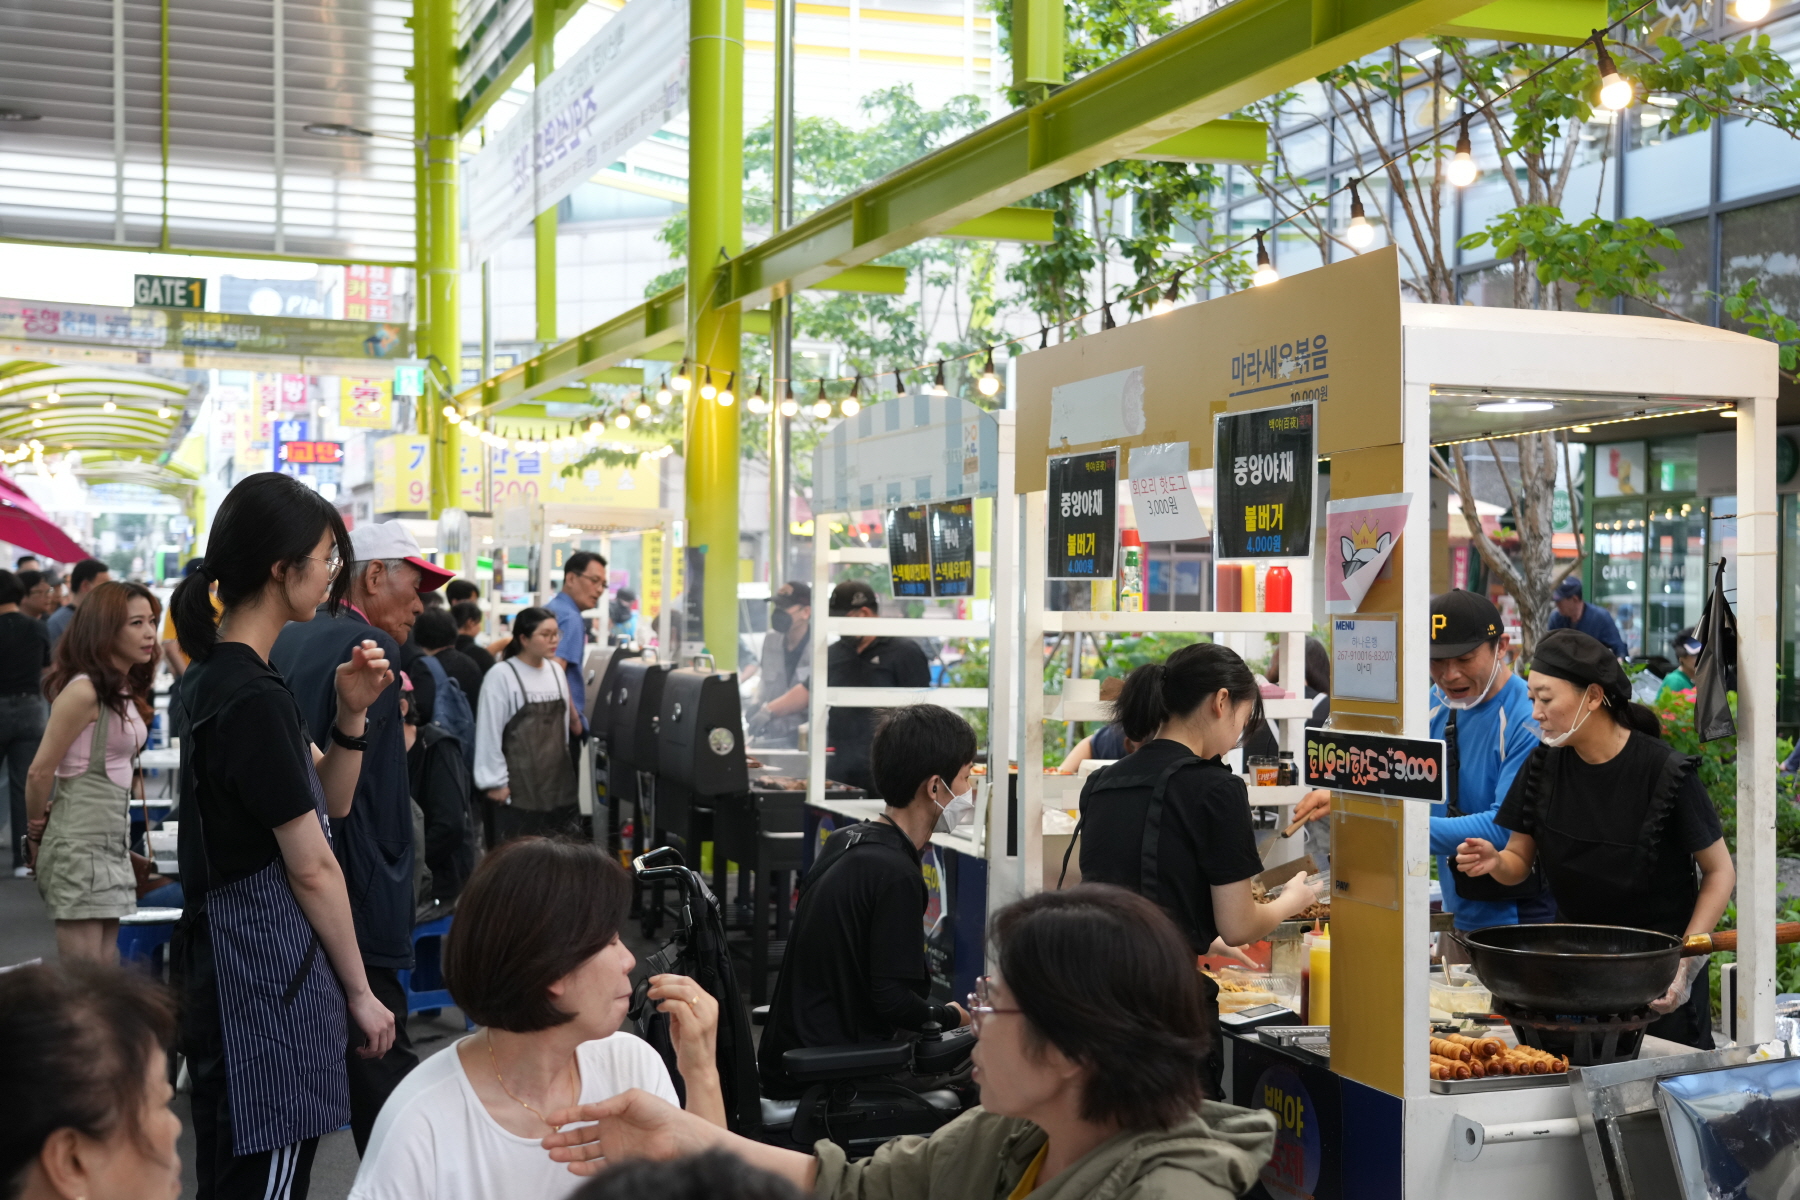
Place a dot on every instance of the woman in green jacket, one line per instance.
(1091, 1062)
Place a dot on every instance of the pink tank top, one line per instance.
(124, 738)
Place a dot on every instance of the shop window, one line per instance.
(1619, 470)
(1665, 175)
(1758, 243)
(1619, 567)
(1675, 572)
(1686, 274)
(1674, 465)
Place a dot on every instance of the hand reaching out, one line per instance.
(361, 680)
(1476, 857)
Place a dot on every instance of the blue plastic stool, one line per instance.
(424, 984)
(141, 941)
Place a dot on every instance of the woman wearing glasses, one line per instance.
(265, 950)
(523, 725)
(1091, 1061)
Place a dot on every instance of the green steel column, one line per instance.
(715, 233)
(543, 51)
(434, 90)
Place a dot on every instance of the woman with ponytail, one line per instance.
(272, 983)
(1616, 818)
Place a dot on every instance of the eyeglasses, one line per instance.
(593, 578)
(981, 1003)
(333, 563)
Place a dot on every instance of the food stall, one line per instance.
(1360, 1113)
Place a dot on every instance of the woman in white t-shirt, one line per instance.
(522, 729)
(534, 956)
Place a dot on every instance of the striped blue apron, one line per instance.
(281, 1008)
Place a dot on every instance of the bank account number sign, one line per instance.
(1376, 764)
(1083, 514)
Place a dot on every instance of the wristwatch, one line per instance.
(346, 741)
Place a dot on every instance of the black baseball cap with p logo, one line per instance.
(1461, 621)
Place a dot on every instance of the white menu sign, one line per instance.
(1160, 495)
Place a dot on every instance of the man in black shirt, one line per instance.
(855, 964)
(24, 653)
(865, 662)
(467, 615)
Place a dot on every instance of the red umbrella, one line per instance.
(24, 524)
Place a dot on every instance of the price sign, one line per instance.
(1376, 764)
(1263, 467)
(1083, 514)
(402, 474)
(909, 550)
(953, 548)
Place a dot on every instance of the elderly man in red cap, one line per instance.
(374, 843)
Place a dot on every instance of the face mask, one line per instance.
(781, 620)
(1478, 697)
(959, 812)
(1560, 738)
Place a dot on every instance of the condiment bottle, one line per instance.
(1289, 773)
(1131, 572)
(1247, 594)
(1278, 590)
(1319, 983)
(1228, 595)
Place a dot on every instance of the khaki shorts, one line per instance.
(83, 882)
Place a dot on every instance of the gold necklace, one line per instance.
(501, 1080)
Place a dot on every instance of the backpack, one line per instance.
(451, 709)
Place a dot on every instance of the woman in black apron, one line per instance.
(265, 953)
(522, 733)
(1618, 821)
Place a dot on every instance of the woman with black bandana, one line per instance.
(1625, 833)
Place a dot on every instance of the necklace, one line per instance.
(501, 1080)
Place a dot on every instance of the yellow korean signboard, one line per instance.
(366, 403)
(402, 474)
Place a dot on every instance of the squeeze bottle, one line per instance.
(1131, 572)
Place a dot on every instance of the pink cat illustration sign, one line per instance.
(1360, 535)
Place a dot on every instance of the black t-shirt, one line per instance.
(248, 766)
(1590, 822)
(1206, 836)
(462, 668)
(477, 654)
(887, 662)
(24, 653)
(855, 962)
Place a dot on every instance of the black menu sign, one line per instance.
(1375, 764)
(909, 551)
(1083, 514)
(1264, 462)
(953, 548)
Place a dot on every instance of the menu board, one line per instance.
(1264, 462)
(1376, 764)
(1083, 514)
(953, 548)
(909, 550)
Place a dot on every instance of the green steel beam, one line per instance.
(639, 333)
(1245, 143)
(1008, 225)
(888, 281)
(1555, 22)
(475, 104)
(1037, 46)
(616, 375)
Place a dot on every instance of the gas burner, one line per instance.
(1586, 1040)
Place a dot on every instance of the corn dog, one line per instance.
(1451, 1050)
(1457, 1068)
(1439, 1071)
(1479, 1047)
(1476, 1069)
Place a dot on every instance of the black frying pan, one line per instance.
(1590, 970)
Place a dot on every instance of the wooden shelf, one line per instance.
(1177, 622)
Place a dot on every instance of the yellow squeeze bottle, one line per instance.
(1319, 986)
(1248, 594)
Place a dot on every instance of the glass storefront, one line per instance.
(1675, 571)
(1618, 567)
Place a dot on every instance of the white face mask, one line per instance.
(958, 812)
(1560, 738)
(1478, 697)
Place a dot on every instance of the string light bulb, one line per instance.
(681, 382)
(1106, 317)
(726, 396)
(53, 397)
(110, 406)
(663, 394)
(937, 382)
(1166, 302)
(853, 402)
(821, 407)
(1615, 90)
(165, 412)
(1751, 10)
(707, 390)
(623, 420)
(596, 427)
(1265, 272)
(642, 411)
(989, 383)
(756, 403)
(1360, 234)
(899, 382)
(789, 406)
(1043, 337)
(1462, 170)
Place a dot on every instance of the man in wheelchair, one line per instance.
(854, 972)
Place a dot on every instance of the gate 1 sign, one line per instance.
(1083, 514)
(1376, 764)
(909, 551)
(1264, 462)
(953, 548)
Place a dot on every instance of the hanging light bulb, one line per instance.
(53, 397)
(989, 383)
(1106, 317)
(1462, 170)
(899, 382)
(1361, 234)
(681, 382)
(707, 390)
(726, 397)
(1265, 270)
(937, 382)
(1615, 89)
(1044, 337)
(789, 405)
(642, 411)
(853, 402)
(596, 426)
(1166, 303)
(821, 407)
(165, 412)
(623, 420)
(110, 406)
(663, 394)
(1751, 10)
(756, 403)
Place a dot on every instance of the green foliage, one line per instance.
(1718, 772)
(1787, 958)
(1762, 320)
(1713, 80)
(1603, 258)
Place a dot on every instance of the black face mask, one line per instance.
(781, 620)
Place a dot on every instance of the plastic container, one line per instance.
(1278, 590)
(1131, 572)
(1247, 588)
(1287, 770)
(1319, 980)
(1229, 593)
(1457, 989)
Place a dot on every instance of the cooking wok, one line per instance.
(1587, 970)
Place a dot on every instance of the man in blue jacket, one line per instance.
(1572, 612)
(375, 842)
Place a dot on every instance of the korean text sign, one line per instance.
(953, 548)
(1264, 462)
(909, 550)
(1376, 764)
(1083, 514)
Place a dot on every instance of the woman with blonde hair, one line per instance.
(78, 790)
